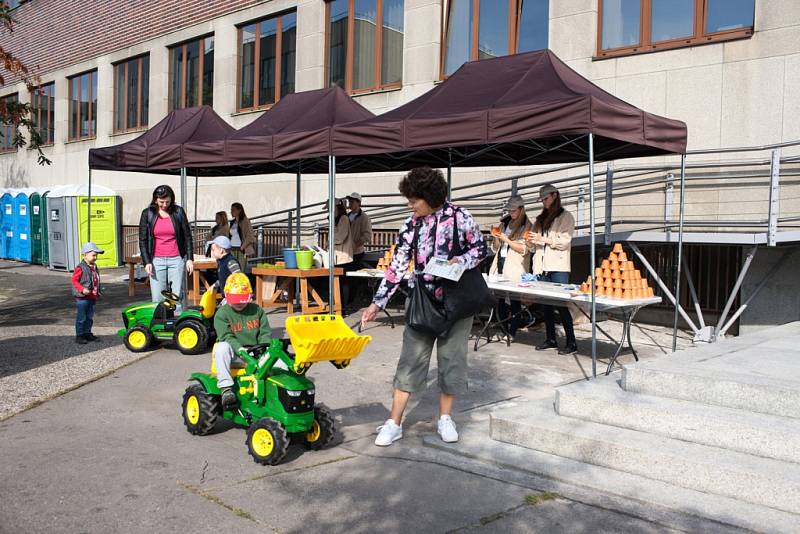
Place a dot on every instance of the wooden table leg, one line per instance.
(259, 291)
(337, 303)
(131, 280)
(290, 291)
(194, 294)
(304, 295)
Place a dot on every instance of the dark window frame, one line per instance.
(646, 45)
(74, 130)
(37, 110)
(9, 131)
(278, 17)
(139, 72)
(350, 47)
(514, 15)
(201, 41)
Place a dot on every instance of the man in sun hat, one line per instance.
(239, 323)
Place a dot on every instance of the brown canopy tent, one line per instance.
(296, 131)
(523, 109)
(158, 150)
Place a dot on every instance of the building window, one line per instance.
(43, 112)
(131, 91)
(636, 26)
(266, 61)
(83, 106)
(481, 29)
(191, 74)
(7, 131)
(365, 44)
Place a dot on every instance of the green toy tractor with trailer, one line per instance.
(273, 402)
(191, 331)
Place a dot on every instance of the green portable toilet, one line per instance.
(106, 223)
(38, 227)
(45, 240)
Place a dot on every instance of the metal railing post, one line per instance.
(581, 209)
(514, 186)
(260, 244)
(609, 201)
(289, 236)
(774, 196)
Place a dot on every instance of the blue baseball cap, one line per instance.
(222, 242)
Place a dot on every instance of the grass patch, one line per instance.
(535, 499)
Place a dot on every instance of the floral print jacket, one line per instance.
(473, 248)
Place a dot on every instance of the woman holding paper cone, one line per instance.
(512, 256)
(426, 234)
(550, 242)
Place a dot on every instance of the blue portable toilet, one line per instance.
(22, 225)
(7, 224)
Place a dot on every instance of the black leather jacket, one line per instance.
(183, 234)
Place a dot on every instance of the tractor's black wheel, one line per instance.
(191, 336)
(138, 339)
(200, 410)
(340, 364)
(322, 431)
(267, 441)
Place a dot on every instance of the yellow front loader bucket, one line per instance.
(319, 338)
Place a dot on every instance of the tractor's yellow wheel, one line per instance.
(138, 339)
(322, 429)
(187, 338)
(267, 441)
(191, 336)
(192, 410)
(263, 444)
(313, 434)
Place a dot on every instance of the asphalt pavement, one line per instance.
(93, 440)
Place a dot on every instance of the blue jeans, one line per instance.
(166, 271)
(549, 317)
(85, 316)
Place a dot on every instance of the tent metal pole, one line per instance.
(680, 254)
(185, 275)
(89, 210)
(196, 187)
(592, 254)
(449, 175)
(331, 228)
(297, 221)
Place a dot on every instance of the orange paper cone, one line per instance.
(617, 283)
(606, 273)
(612, 257)
(627, 294)
(650, 292)
(622, 256)
(607, 283)
(606, 264)
(626, 284)
(617, 293)
(598, 272)
(617, 247)
(614, 265)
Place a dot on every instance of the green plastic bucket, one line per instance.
(305, 259)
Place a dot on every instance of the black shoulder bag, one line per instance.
(424, 313)
(470, 294)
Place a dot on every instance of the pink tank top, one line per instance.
(165, 244)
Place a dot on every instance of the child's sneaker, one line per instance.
(388, 433)
(80, 340)
(228, 399)
(447, 429)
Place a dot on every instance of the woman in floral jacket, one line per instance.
(431, 221)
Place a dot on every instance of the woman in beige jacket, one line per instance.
(243, 240)
(551, 241)
(511, 258)
(342, 238)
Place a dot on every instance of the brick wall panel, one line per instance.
(53, 34)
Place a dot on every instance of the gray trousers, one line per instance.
(451, 359)
(223, 356)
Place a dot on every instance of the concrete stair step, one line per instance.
(604, 401)
(761, 481)
(677, 507)
(716, 384)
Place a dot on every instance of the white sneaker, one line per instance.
(447, 429)
(388, 433)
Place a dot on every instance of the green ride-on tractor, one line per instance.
(191, 331)
(272, 402)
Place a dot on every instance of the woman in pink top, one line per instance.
(165, 242)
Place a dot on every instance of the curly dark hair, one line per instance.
(425, 183)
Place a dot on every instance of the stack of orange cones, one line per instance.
(386, 260)
(618, 278)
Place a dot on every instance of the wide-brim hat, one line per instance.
(546, 190)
